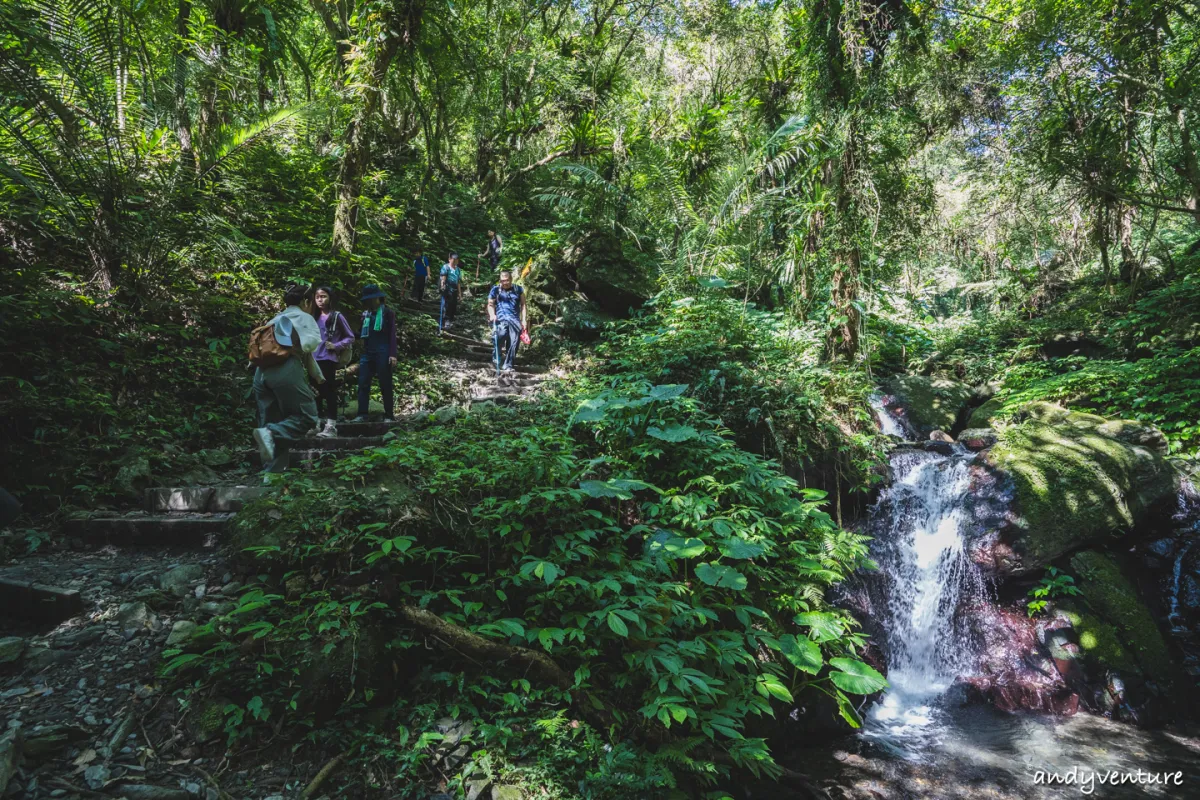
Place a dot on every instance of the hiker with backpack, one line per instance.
(450, 285)
(421, 274)
(492, 251)
(282, 352)
(378, 335)
(336, 352)
(506, 311)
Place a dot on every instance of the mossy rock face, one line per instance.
(608, 276)
(930, 403)
(983, 416)
(1074, 485)
(1116, 630)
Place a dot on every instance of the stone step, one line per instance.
(156, 529)
(500, 398)
(486, 358)
(340, 443)
(200, 499)
(37, 602)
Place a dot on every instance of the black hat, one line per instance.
(370, 292)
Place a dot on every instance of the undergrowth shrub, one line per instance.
(676, 578)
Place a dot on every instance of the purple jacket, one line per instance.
(341, 336)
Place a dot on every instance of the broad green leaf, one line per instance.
(740, 548)
(617, 487)
(721, 576)
(803, 654)
(684, 548)
(673, 433)
(825, 625)
(769, 686)
(846, 709)
(667, 391)
(856, 677)
(617, 625)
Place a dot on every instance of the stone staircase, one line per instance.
(195, 516)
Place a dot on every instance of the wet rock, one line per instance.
(507, 793)
(1162, 548)
(144, 791)
(181, 632)
(80, 638)
(45, 741)
(1013, 673)
(940, 436)
(11, 648)
(928, 404)
(96, 776)
(1116, 630)
(39, 658)
(1071, 486)
(133, 478)
(445, 415)
(976, 439)
(476, 789)
(133, 615)
(10, 753)
(1136, 433)
(179, 580)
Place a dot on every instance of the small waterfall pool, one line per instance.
(923, 738)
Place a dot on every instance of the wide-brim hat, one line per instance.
(370, 292)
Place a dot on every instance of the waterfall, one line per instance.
(925, 574)
(889, 423)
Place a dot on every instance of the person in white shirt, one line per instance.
(287, 406)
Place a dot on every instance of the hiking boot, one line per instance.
(329, 430)
(265, 442)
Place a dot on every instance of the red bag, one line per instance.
(525, 338)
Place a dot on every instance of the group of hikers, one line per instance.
(310, 341)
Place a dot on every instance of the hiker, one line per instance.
(378, 335)
(450, 285)
(492, 251)
(421, 274)
(286, 406)
(506, 312)
(335, 352)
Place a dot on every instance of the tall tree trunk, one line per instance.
(183, 120)
(357, 151)
(1129, 261)
(847, 257)
(1191, 168)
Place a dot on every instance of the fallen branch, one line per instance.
(325, 772)
(537, 665)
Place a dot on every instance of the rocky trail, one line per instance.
(86, 710)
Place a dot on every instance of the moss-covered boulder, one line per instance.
(929, 404)
(1115, 628)
(983, 416)
(1073, 485)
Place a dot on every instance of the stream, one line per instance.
(925, 737)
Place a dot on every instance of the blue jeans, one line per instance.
(449, 307)
(370, 366)
(510, 333)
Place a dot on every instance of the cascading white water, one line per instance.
(918, 528)
(889, 424)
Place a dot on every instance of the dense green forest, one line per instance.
(734, 222)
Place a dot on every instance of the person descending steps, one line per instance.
(420, 275)
(282, 352)
(507, 314)
(450, 285)
(493, 249)
(335, 353)
(378, 334)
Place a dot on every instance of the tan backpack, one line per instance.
(264, 350)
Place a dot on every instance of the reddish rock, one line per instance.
(1014, 673)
